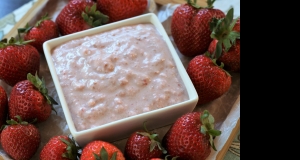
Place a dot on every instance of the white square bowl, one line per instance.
(122, 128)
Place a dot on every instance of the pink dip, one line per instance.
(117, 74)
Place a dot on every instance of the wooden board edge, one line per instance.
(221, 154)
(26, 18)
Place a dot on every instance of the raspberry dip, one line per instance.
(117, 74)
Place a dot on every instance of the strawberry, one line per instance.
(20, 139)
(225, 46)
(143, 145)
(191, 136)
(103, 150)
(118, 10)
(17, 58)
(44, 29)
(237, 25)
(3, 106)
(30, 100)
(190, 27)
(60, 147)
(79, 15)
(210, 80)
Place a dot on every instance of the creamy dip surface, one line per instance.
(117, 74)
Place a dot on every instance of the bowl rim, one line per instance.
(145, 18)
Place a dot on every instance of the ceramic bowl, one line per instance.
(122, 128)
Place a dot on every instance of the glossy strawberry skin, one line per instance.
(237, 26)
(231, 58)
(3, 106)
(138, 148)
(54, 149)
(209, 80)
(122, 9)
(69, 20)
(20, 141)
(185, 140)
(27, 102)
(190, 28)
(95, 147)
(16, 61)
(45, 31)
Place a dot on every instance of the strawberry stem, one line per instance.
(104, 155)
(41, 86)
(44, 17)
(214, 60)
(93, 17)
(153, 138)
(193, 3)
(208, 127)
(14, 122)
(72, 149)
(222, 30)
(12, 41)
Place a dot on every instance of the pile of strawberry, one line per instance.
(209, 36)
(190, 137)
(212, 40)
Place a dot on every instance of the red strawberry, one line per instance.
(60, 147)
(79, 15)
(17, 58)
(20, 139)
(101, 150)
(225, 46)
(3, 106)
(209, 79)
(118, 10)
(237, 25)
(45, 29)
(190, 27)
(191, 136)
(143, 145)
(29, 99)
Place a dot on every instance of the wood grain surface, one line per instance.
(26, 18)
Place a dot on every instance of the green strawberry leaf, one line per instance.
(218, 51)
(114, 156)
(207, 127)
(93, 17)
(214, 132)
(222, 31)
(211, 141)
(41, 86)
(210, 3)
(153, 138)
(193, 3)
(97, 157)
(72, 149)
(44, 17)
(104, 155)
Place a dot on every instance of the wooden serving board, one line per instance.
(41, 3)
(162, 2)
